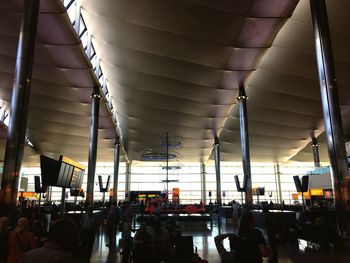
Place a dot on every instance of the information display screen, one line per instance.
(62, 173)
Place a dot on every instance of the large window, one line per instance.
(151, 176)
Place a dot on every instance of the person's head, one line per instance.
(4, 223)
(22, 224)
(246, 223)
(65, 233)
(233, 242)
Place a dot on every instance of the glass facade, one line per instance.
(151, 176)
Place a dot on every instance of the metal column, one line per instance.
(203, 184)
(243, 121)
(217, 170)
(19, 103)
(116, 169)
(315, 152)
(95, 109)
(278, 183)
(127, 181)
(331, 109)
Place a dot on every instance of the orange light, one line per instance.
(27, 194)
(316, 192)
(73, 163)
(176, 191)
(306, 195)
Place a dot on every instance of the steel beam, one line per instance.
(315, 152)
(116, 169)
(243, 121)
(217, 170)
(19, 104)
(331, 110)
(127, 181)
(203, 184)
(95, 110)
(278, 183)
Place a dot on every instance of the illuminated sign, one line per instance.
(295, 196)
(306, 195)
(27, 194)
(176, 191)
(73, 163)
(316, 192)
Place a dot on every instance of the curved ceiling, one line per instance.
(176, 66)
(284, 106)
(59, 111)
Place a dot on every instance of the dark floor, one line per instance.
(204, 241)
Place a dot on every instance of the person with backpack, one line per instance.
(21, 240)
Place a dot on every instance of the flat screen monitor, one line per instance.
(62, 173)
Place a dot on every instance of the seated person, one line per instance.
(142, 243)
(226, 256)
(161, 242)
(251, 244)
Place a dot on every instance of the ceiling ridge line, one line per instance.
(164, 124)
(45, 65)
(168, 95)
(263, 135)
(227, 12)
(182, 35)
(179, 60)
(168, 110)
(274, 123)
(174, 79)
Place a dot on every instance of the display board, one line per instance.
(62, 173)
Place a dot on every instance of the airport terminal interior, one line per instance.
(180, 131)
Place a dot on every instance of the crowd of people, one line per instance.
(25, 239)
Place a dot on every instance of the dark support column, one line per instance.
(167, 164)
(19, 104)
(331, 110)
(243, 120)
(63, 202)
(217, 170)
(127, 181)
(203, 184)
(278, 183)
(95, 109)
(315, 152)
(116, 169)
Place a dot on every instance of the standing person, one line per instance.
(20, 241)
(235, 212)
(126, 233)
(4, 236)
(127, 220)
(251, 245)
(62, 239)
(112, 220)
(89, 225)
